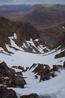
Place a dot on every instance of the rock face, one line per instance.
(45, 72)
(64, 65)
(50, 37)
(30, 96)
(20, 68)
(11, 78)
(7, 93)
(24, 31)
(50, 22)
(61, 54)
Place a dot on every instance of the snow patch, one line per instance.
(52, 87)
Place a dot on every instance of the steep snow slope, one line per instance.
(27, 59)
(55, 87)
(19, 57)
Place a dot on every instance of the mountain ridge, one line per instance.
(29, 38)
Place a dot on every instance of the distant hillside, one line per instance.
(40, 16)
(14, 12)
(20, 7)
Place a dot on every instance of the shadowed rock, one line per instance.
(7, 93)
(11, 78)
(33, 95)
(45, 72)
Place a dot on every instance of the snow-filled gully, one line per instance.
(54, 88)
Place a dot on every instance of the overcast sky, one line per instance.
(32, 1)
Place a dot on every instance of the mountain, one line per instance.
(41, 16)
(45, 16)
(32, 59)
(21, 7)
(23, 31)
(14, 12)
(29, 38)
(36, 74)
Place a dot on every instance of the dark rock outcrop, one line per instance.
(33, 66)
(21, 68)
(45, 72)
(11, 78)
(33, 95)
(64, 64)
(24, 31)
(55, 68)
(60, 55)
(7, 93)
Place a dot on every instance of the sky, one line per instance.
(33, 1)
